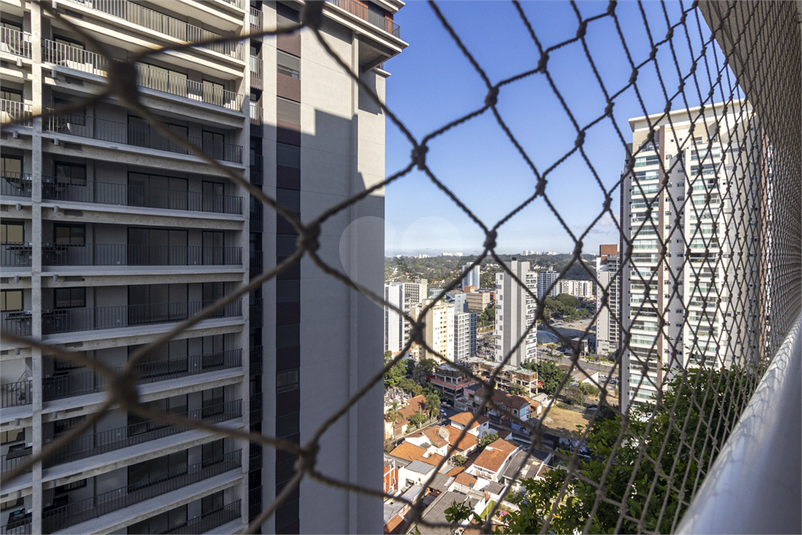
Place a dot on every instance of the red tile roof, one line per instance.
(494, 455)
(464, 417)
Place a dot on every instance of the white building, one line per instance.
(699, 317)
(578, 288)
(545, 279)
(608, 308)
(112, 235)
(515, 313)
(473, 276)
(403, 295)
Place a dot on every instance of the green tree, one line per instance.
(516, 390)
(388, 356)
(409, 367)
(417, 390)
(573, 395)
(432, 404)
(417, 419)
(425, 368)
(589, 389)
(714, 394)
(458, 460)
(394, 413)
(489, 438)
(406, 384)
(394, 375)
(550, 374)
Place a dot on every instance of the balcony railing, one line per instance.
(129, 195)
(254, 502)
(16, 394)
(256, 20)
(14, 458)
(139, 136)
(96, 506)
(15, 184)
(11, 110)
(17, 526)
(88, 319)
(78, 384)
(361, 10)
(139, 433)
(210, 520)
(102, 254)
(178, 85)
(16, 322)
(161, 23)
(15, 254)
(73, 57)
(15, 42)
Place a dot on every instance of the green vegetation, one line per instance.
(548, 373)
(418, 419)
(489, 438)
(488, 317)
(567, 307)
(573, 395)
(458, 460)
(707, 405)
(588, 389)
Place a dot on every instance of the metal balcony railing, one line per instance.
(16, 322)
(256, 19)
(107, 502)
(256, 68)
(14, 458)
(17, 526)
(178, 85)
(139, 433)
(11, 110)
(139, 136)
(86, 319)
(15, 42)
(100, 254)
(16, 394)
(15, 254)
(78, 384)
(160, 23)
(361, 10)
(210, 520)
(73, 57)
(130, 195)
(256, 360)
(15, 184)
(256, 263)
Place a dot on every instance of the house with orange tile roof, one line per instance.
(479, 428)
(401, 424)
(411, 452)
(518, 406)
(493, 460)
(444, 440)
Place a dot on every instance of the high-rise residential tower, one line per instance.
(608, 305)
(515, 313)
(545, 279)
(112, 234)
(472, 277)
(706, 155)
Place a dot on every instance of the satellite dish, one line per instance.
(443, 433)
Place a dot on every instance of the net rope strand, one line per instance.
(762, 187)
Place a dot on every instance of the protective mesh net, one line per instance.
(709, 263)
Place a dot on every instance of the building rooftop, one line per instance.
(494, 455)
(464, 418)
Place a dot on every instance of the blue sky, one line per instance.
(432, 83)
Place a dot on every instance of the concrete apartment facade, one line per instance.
(473, 276)
(515, 312)
(545, 279)
(672, 308)
(403, 295)
(609, 307)
(102, 218)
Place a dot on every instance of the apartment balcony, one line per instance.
(256, 72)
(100, 254)
(16, 322)
(15, 42)
(139, 433)
(19, 525)
(12, 110)
(256, 263)
(79, 384)
(256, 309)
(138, 196)
(15, 255)
(254, 502)
(362, 11)
(180, 86)
(256, 364)
(114, 317)
(80, 511)
(256, 20)
(210, 520)
(16, 456)
(15, 184)
(16, 394)
(161, 25)
(137, 136)
(257, 168)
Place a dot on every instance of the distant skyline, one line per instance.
(432, 83)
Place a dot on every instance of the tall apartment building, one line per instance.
(111, 234)
(472, 277)
(545, 279)
(577, 288)
(515, 312)
(608, 308)
(700, 317)
(403, 295)
(439, 332)
(479, 301)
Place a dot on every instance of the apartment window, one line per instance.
(287, 336)
(212, 452)
(166, 466)
(12, 233)
(157, 247)
(74, 118)
(288, 111)
(70, 297)
(157, 191)
(162, 523)
(289, 199)
(66, 41)
(289, 65)
(10, 300)
(70, 173)
(213, 196)
(214, 144)
(286, 16)
(10, 25)
(69, 234)
(287, 380)
(213, 348)
(288, 155)
(10, 164)
(213, 93)
(11, 94)
(211, 503)
(213, 400)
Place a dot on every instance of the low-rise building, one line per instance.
(444, 440)
(478, 427)
(450, 382)
(518, 406)
(508, 376)
(478, 301)
(394, 427)
(493, 460)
